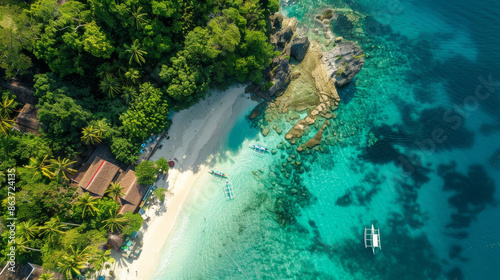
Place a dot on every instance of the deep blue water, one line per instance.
(429, 95)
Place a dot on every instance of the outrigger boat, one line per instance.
(228, 190)
(259, 147)
(372, 238)
(218, 173)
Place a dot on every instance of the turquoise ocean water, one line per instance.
(429, 94)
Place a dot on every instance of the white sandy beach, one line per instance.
(194, 135)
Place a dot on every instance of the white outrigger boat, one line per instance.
(259, 147)
(228, 190)
(372, 238)
(217, 173)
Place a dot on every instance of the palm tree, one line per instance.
(101, 258)
(115, 191)
(115, 222)
(6, 124)
(41, 166)
(72, 264)
(91, 135)
(128, 93)
(110, 85)
(47, 276)
(88, 202)
(6, 107)
(24, 244)
(118, 68)
(101, 127)
(52, 229)
(104, 69)
(62, 168)
(137, 17)
(27, 230)
(135, 52)
(132, 76)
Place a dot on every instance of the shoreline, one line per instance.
(193, 136)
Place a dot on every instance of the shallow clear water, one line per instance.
(428, 183)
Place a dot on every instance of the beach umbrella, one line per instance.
(171, 163)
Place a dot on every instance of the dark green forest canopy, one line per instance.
(107, 71)
(101, 53)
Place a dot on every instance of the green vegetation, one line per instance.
(160, 193)
(115, 191)
(107, 71)
(146, 172)
(56, 227)
(162, 164)
(268, 85)
(7, 106)
(128, 62)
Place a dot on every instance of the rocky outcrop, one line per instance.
(344, 61)
(281, 38)
(328, 98)
(299, 47)
(276, 21)
(282, 32)
(280, 76)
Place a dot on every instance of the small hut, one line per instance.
(29, 271)
(115, 241)
(39, 270)
(27, 120)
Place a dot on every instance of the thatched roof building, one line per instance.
(38, 270)
(27, 120)
(23, 92)
(98, 176)
(29, 271)
(133, 192)
(103, 151)
(102, 168)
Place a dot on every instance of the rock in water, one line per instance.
(344, 61)
(299, 47)
(316, 140)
